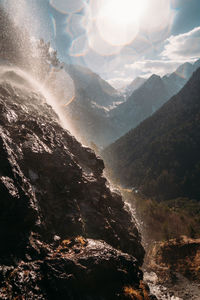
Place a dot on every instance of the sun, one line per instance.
(118, 20)
(123, 11)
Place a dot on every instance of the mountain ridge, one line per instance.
(163, 148)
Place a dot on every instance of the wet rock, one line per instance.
(176, 256)
(61, 179)
(77, 269)
(52, 189)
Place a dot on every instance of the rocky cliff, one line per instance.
(176, 264)
(64, 234)
(175, 256)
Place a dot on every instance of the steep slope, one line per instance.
(178, 79)
(161, 156)
(92, 85)
(99, 114)
(134, 85)
(88, 113)
(148, 98)
(90, 122)
(140, 105)
(60, 224)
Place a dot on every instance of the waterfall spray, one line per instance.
(24, 80)
(31, 68)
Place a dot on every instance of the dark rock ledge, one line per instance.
(64, 234)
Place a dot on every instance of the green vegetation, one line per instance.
(168, 219)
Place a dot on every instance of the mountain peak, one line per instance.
(154, 80)
(171, 137)
(154, 77)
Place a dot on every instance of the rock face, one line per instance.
(58, 214)
(77, 269)
(176, 256)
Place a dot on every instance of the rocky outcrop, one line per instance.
(77, 269)
(176, 256)
(60, 224)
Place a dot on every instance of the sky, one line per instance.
(118, 39)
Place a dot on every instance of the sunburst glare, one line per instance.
(117, 23)
(118, 20)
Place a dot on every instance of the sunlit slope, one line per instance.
(134, 85)
(92, 85)
(149, 97)
(88, 112)
(91, 113)
(59, 220)
(161, 156)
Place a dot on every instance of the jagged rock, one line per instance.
(77, 269)
(175, 256)
(52, 189)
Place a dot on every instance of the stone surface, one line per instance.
(60, 224)
(176, 256)
(76, 269)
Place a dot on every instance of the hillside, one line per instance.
(134, 85)
(99, 115)
(148, 98)
(161, 156)
(93, 86)
(88, 113)
(141, 104)
(63, 230)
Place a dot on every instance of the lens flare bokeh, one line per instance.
(100, 34)
(118, 20)
(68, 6)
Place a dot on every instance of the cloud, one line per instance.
(120, 82)
(177, 50)
(184, 46)
(142, 68)
(159, 67)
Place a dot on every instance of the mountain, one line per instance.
(134, 85)
(161, 156)
(90, 122)
(148, 98)
(140, 105)
(92, 85)
(175, 81)
(93, 95)
(99, 115)
(88, 112)
(64, 233)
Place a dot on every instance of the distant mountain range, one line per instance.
(93, 86)
(134, 85)
(88, 113)
(161, 156)
(99, 115)
(149, 97)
